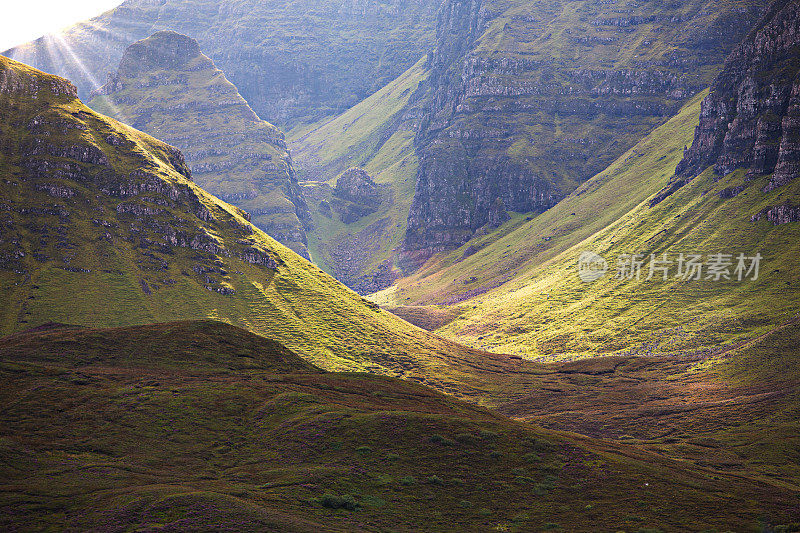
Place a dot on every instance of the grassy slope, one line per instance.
(233, 154)
(522, 243)
(549, 312)
(537, 306)
(145, 441)
(734, 409)
(374, 136)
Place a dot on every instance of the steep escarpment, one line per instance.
(292, 61)
(167, 87)
(529, 99)
(751, 119)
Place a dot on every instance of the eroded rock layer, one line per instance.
(529, 99)
(751, 119)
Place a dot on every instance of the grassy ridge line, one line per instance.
(546, 312)
(373, 135)
(549, 313)
(323, 151)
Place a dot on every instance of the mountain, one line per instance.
(293, 61)
(750, 120)
(101, 226)
(517, 290)
(527, 100)
(199, 425)
(516, 105)
(166, 87)
(700, 369)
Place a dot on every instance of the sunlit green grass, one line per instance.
(538, 307)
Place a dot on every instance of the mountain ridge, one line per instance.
(101, 226)
(529, 100)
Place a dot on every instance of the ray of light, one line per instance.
(56, 44)
(64, 47)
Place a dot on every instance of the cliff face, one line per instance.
(529, 99)
(166, 87)
(292, 60)
(357, 186)
(751, 119)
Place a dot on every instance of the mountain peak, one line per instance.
(21, 80)
(165, 86)
(163, 50)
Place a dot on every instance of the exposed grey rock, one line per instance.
(479, 102)
(356, 185)
(780, 214)
(751, 118)
(233, 153)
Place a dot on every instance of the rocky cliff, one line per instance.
(751, 118)
(355, 185)
(167, 87)
(292, 60)
(529, 99)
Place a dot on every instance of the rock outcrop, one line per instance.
(357, 186)
(355, 196)
(751, 118)
(168, 88)
(527, 101)
(780, 214)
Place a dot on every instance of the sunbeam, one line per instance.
(59, 44)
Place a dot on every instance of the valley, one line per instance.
(469, 265)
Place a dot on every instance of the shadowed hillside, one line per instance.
(293, 61)
(376, 136)
(227, 431)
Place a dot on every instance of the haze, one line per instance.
(25, 21)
